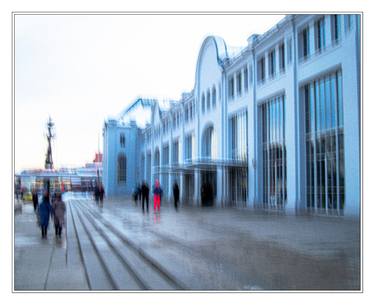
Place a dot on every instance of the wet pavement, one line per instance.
(202, 248)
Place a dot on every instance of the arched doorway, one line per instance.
(208, 170)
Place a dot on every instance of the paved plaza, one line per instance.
(190, 249)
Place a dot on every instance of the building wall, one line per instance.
(215, 67)
(112, 149)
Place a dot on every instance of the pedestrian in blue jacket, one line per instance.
(44, 212)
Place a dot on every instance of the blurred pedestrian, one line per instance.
(136, 194)
(145, 191)
(158, 193)
(96, 193)
(35, 199)
(59, 210)
(101, 194)
(176, 194)
(44, 213)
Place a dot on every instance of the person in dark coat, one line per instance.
(101, 194)
(176, 194)
(145, 191)
(136, 194)
(59, 209)
(44, 211)
(35, 199)
(96, 194)
(203, 193)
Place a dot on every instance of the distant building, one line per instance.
(274, 126)
(98, 158)
(67, 179)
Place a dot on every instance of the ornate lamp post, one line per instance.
(49, 162)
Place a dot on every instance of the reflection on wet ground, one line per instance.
(216, 249)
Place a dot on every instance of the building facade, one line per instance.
(275, 125)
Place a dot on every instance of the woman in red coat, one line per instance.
(158, 192)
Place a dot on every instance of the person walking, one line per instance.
(96, 193)
(145, 191)
(59, 210)
(35, 199)
(176, 194)
(158, 193)
(44, 212)
(136, 194)
(101, 194)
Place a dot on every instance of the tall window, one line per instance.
(251, 74)
(190, 111)
(208, 100)
(188, 153)
(238, 133)
(121, 168)
(239, 83)
(282, 57)
(209, 147)
(213, 97)
(325, 170)
(261, 70)
(165, 162)
(304, 43)
(203, 102)
(231, 87)
(175, 152)
(319, 35)
(289, 47)
(186, 112)
(348, 22)
(122, 140)
(274, 153)
(271, 63)
(246, 79)
(335, 28)
(237, 176)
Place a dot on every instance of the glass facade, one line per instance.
(238, 177)
(325, 170)
(238, 134)
(274, 153)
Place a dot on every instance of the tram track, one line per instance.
(122, 265)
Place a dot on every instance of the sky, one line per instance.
(82, 69)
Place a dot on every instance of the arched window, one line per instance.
(213, 97)
(209, 145)
(208, 99)
(203, 103)
(122, 139)
(121, 168)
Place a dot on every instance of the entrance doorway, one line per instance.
(208, 188)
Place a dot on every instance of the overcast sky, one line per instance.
(80, 69)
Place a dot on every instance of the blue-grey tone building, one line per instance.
(275, 125)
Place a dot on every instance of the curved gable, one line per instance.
(210, 59)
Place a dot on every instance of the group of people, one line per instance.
(142, 192)
(46, 210)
